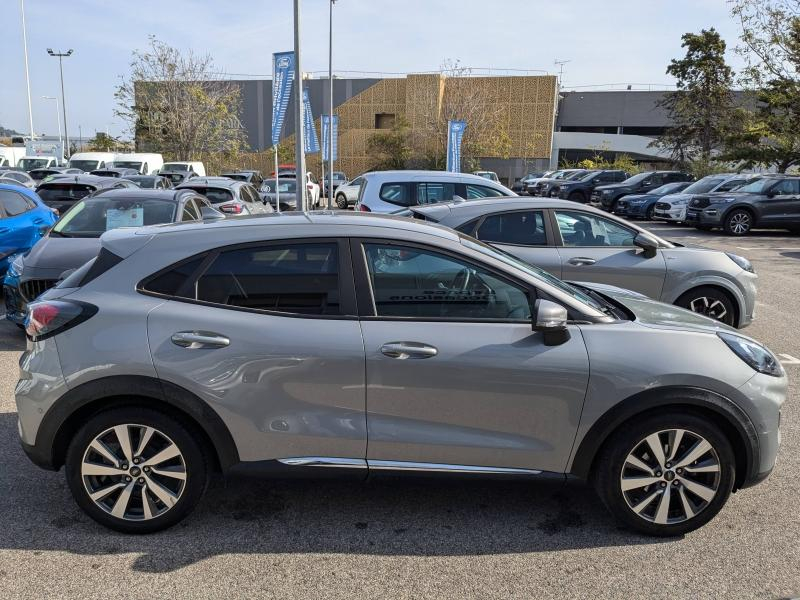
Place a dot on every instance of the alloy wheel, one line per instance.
(670, 476)
(710, 307)
(740, 223)
(133, 472)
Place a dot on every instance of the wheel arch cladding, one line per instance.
(78, 404)
(731, 419)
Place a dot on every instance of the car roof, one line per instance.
(220, 182)
(173, 195)
(84, 179)
(407, 174)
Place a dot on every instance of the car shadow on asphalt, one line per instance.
(389, 517)
(12, 338)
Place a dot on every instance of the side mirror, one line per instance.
(646, 242)
(647, 182)
(551, 320)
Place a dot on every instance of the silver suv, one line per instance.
(392, 191)
(346, 343)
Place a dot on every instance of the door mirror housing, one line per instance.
(647, 182)
(550, 319)
(646, 242)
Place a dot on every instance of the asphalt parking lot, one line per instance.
(417, 539)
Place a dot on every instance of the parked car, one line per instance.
(39, 175)
(313, 190)
(390, 191)
(151, 182)
(339, 178)
(28, 163)
(145, 163)
(642, 206)
(181, 351)
(287, 192)
(10, 155)
(178, 177)
(21, 177)
(115, 172)
(769, 202)
(580, 188)
(540, 186)
(581, 243)
(196, 167)
(252, 177)
(521, 185)
(91, 161)
(606, 196)
(61, 193)
(229, 196)
(490, 175)
(673, 207)
(75, 238)
(347, 193)
(24, 219)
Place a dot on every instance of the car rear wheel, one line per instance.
(666, 475)
(136, 470)
(710, 302)
(341, 201)
(738, 222)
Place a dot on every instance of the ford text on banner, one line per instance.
(455, 131)
(282, 78)
(311, 141)
(325, 140)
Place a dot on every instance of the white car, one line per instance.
(313, 190)
(673, 206)
(347, 193)
(490, 175)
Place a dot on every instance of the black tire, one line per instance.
(738, 222)
(193, 454)
(577, 197)
(608, 470)
(341, 201)
(648, 215)
(711, 302)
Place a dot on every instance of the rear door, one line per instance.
(267, 335)
(600, 250)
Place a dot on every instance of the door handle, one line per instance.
(406, 350)
(199, 339)
(579, 261)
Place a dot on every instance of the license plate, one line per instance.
(692, 217)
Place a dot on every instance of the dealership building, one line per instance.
(543, 125)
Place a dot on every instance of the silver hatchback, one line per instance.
(343, 343)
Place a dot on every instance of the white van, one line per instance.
(180, 166)
(10, 155)
(145, 162)
(37, 161)
(89, 161)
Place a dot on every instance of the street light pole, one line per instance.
(27, 75)
(62, 55)
(299, 152)
(58, 118)
(330, 108)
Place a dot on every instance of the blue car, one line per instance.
(641, 206)
(24, 219)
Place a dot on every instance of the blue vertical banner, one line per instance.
(455, 131)
(311, 141)
(282, 78)
(325, 136)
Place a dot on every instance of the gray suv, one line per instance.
(346, 343)
(580, 243)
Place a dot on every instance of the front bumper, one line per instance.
(711, 216)
(674, 213)
(626, 209)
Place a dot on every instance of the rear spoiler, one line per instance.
(431, 212)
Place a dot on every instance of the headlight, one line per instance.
(757, 356)
(636, 201)
(722, 200)
(606, 192)
(679, 202)
(15, 266)
(745, 264)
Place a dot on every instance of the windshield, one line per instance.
(533, 271)
(285, 186)
(94, 216)
(758, 186)
(668, 188)
(636, 178)
(575, 175)
(129, 164)
(52, 192)
(143, 182)
(32, 163)
(706, 184)
(85, 165)
(587, 176)
(339, 176)
(175, 167)
(236, 176)
(214, 195)
(174, 177)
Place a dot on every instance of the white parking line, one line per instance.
(760, 248)
(788, 359)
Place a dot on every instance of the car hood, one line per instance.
(672, 198)
(659, 315)
(630, 197)
(51, 256)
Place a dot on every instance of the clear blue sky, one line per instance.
(611, 41)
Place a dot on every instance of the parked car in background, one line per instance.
(28, 163)
(75, 238)
(391, 191)
(151, 182)
(21, 177)
(540, 186)
(24, 219)
(313, 190)
(91, 161)
(673, 207)
(229, 196)
(768, 202)
(286, 191)
(251, 176)
(195, 167)
(502, 370)
(521, 185)
(580, 243)
(642, 206)
(10, 155)
(339, 178)
(606, 196)
(347, 193)
(39, 175)
(178, 177)
(490, 175)
(115, 172)
(61, 193)
(580, 188)
(145, 163)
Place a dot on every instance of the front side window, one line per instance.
(412, 283)
(430, 193)
(521, 228)
(13, 204)
(583, 229)
(482, 191)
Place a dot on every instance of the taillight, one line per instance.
(236, 209)
(363, 208)
(49, 317)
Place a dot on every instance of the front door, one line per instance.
(782, 206)
(599, 250)
(455, 375)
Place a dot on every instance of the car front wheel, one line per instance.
(666, 475)
(738, 222)
(710, 302)
(341, 201)
(136, 470)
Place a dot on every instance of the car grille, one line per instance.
(701, 202)
(33, 288)
(663, 206)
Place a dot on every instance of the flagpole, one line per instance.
(299, 152)
(277, 191)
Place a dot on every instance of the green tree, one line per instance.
(102, 142)
(391, 148)
(702, 107)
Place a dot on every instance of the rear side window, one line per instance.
(14, 204)
(521, 228)
(172, 281)
(482, 191)
(395, 193)
(430, 193)
(91, 270)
